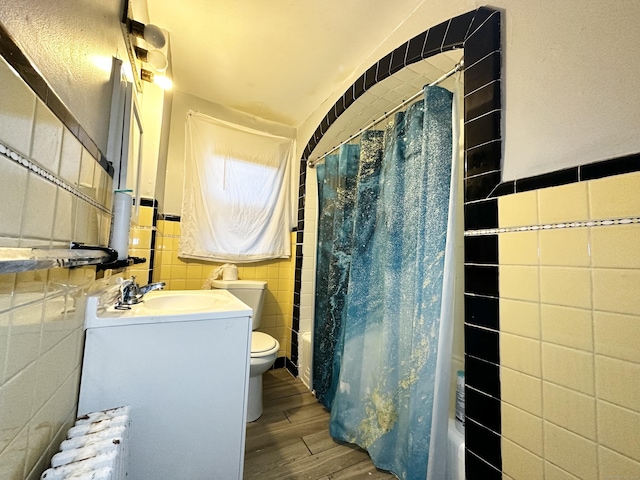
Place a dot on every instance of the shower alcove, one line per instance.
(383, 86)
(375, 105)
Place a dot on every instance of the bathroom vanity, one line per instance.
(180, 359)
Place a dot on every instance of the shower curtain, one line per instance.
(334, 251)
(384, 283)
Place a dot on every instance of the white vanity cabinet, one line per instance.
(185, 378)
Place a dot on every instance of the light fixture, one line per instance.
(155, 58)
(152, 34)
(160, 80)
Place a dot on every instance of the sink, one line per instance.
(180, 301)
(160, 306)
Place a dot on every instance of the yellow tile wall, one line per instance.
(188, 274)
(570, 330)
(42, 311)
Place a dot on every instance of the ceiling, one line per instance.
(281, 59)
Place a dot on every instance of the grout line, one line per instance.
(467, 122)
(593, 343)
(480, 88)
(540, 343)
(480, 424)
(553, 226)
(471, 177)
(480, 327)
(444, 37)
(480, 458)
(484, 360)
(481, 59)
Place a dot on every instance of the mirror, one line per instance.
(131, 162)
(124, 149)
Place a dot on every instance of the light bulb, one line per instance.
(160, 80)
(154, 36)
(163, 82)
(157, 60)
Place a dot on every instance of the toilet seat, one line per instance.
(262, 344)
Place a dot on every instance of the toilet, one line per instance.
(264, 348)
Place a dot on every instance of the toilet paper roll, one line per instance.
(230, 272)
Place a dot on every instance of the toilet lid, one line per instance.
(261, 342)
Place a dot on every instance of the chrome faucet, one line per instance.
(131, 293)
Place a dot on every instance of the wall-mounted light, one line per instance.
(152, 34)
(155, 58)
(160, 80)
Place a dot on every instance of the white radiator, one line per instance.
(96, 448)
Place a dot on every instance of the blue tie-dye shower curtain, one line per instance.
(336, 206)
(379, 284)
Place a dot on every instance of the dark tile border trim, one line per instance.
(284, 362)
(15, 57)
(153, 203)
(479, 33)
(582, 173)
(148, 202)
(293, 368)
(607, 168)
(168, 218)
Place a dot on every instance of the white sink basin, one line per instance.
(183, 301)
(166, 306)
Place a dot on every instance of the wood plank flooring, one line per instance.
(291, 440)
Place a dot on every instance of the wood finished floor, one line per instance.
(291, 440)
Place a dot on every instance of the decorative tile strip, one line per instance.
(553, 226)
(34, 167)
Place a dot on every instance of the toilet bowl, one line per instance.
(264, 348)
(264, 351)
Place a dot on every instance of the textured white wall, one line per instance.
(571, 83)
(151, 105)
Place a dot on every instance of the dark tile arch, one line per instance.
(479, 33)
(15, 57)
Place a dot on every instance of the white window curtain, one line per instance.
(237, 195)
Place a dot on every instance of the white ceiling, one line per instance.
(281, 59)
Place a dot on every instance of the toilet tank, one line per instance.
(250, 292)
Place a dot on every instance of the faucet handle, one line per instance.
(125, 282)
(124, 295)
(129, 293)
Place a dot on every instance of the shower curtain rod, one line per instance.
(457, 68)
